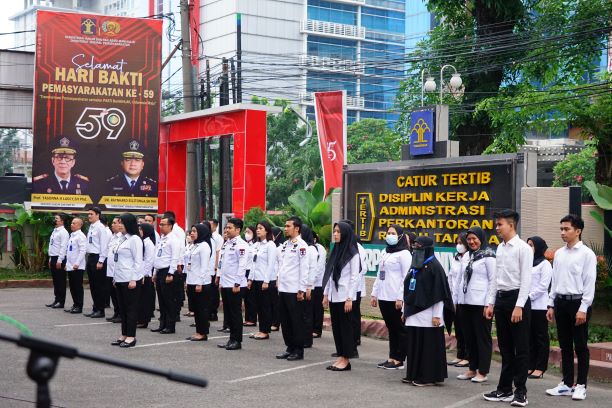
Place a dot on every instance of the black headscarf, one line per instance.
(422, 253)
(147, 232)
(463, 239)
(341, 254)
(431, 285)
(401, 241)
(307, 235)
(278, 235)
(412, 237)
(483, 252)
(204, 234)
(540, 247)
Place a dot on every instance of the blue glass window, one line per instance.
(332, 48)
(324, 81)
(333, 12)
(382, 20)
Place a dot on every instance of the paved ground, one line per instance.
(251, 377)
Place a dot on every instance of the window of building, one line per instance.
(332, 12)
(324, 81)
(382, 20)
(332, 48)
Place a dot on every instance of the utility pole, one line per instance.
(233, 76)
(209, 166)
(239, 56)
(225, 191)
(186, 57)
(208, 94)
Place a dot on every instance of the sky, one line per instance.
(7, 9)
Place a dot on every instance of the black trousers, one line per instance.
(59, 280)
(513, 341)
(97, 282)
(75, 282)
(342, 328)
(395, 327)
(356, 311)
(178, 284)
(317, 310)
(128, 304)
(462, 349)
(250, 305)
(166, 296)
(274, 303)
(232, 310)
(264, 306)
(225, 317)
(199, 302)
(146, 304)
(112, 293)
(539, 343)
(292, 322)
(477, 332)
(572, 338)
(215, 298)
(308, 321)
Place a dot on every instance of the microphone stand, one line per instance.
(45, 355)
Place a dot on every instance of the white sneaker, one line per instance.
(579, 392)
(464, 377)
(480, 379)
(560, 390)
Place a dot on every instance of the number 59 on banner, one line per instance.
(94, 121)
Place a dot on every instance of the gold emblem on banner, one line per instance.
(420, 128)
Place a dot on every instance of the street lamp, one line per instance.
(454, 85)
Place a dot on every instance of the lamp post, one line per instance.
(454, 85)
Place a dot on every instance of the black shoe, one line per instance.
(116, 320)
(283, 356)
(519, 400)
(57, 305)
(116, 342)
(51, 304)
(76, 310)
(166, 331)
(110, 319)
(233, 345)
(89, 314)
(347, 368)
(295, 357)
(142, 325)
(97, 315)
(158, 329)
(192, 325)
(334, 354)
(126, 344)
(204, 338)
(307, 345)
(223, 345)
(224, 330)
(497, 396)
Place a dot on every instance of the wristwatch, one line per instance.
(236, 285)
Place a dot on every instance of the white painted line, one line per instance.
(253, 377)
(184, 341)
(465, 401)
(80, 324)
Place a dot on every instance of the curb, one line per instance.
(31, 283)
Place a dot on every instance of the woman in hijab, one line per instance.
(197, 264)
(250, 303)
(539, 344)
(279, 238)
(341, 282)
(456, 271)
(146, 306)
(426, 295)
(474, 289)
(388, 293)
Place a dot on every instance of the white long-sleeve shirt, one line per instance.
(392, 270)
(234, 263)
(481, 287)
(454, 274)
(574, 273)
(363, 270)
(112, 247)
(514, 264)
(293, 269)
(97, 240)
(348, 283)
(197, 263)
(540, 281)
(167, 252)
(321, 260)
(264, 262)
(128, 259)
(58, 242)
(425, 317)
(179, 233)
(311, 254)
(148, 256)
(76, 249)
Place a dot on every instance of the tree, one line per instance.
(370, 140)
(9, 143)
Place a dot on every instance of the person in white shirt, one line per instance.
(233, 282)
(311, 253)
(197, 267)
(388, 293)
(263, 271)
(97, 246)
(571, 296)
(116, 237)
(250, 303)
(128, 276)
(179, 277)
(539, 343)
(317, 292)
(75, 264)
(167, 253)
(57, 251)
(456, 271)
(341, 282)
(512, 307)
(150, 219)
(215, 295)
(279, 239)
(146, 306)
(473, 289)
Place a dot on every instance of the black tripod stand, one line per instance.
(45, 355)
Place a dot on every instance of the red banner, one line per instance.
(330, 115)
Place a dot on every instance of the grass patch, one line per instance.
(16, 274)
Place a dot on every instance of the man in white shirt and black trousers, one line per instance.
(167, 252)
(233, 281)
(58, 244)
(571, 296)
(215, 296)
(97, 248)
(292, 284)
(512, 307)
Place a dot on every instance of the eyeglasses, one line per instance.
(161, 224)
(63, 158)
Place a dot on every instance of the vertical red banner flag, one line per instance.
(330, 116)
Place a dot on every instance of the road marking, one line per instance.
(465, 401)
(184, 341)
(254, 377)
(80, 324)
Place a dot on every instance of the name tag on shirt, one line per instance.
(116, 256)
(159, 252)
(70, 247)
(91, 240)
(412, 284)
(51, 241)
(381, 274)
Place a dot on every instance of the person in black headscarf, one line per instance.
(341, 283)
(426, 295)
(410, 239)
(539, 343)
(199, 264)
(454, 275)
(279, 238)
(146, 305)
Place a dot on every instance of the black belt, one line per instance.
(569, 297)
(507, 293)
(92, 254)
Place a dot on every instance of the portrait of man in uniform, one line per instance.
(131, 181)
(61, 181)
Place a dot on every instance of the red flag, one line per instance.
(330, 115)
